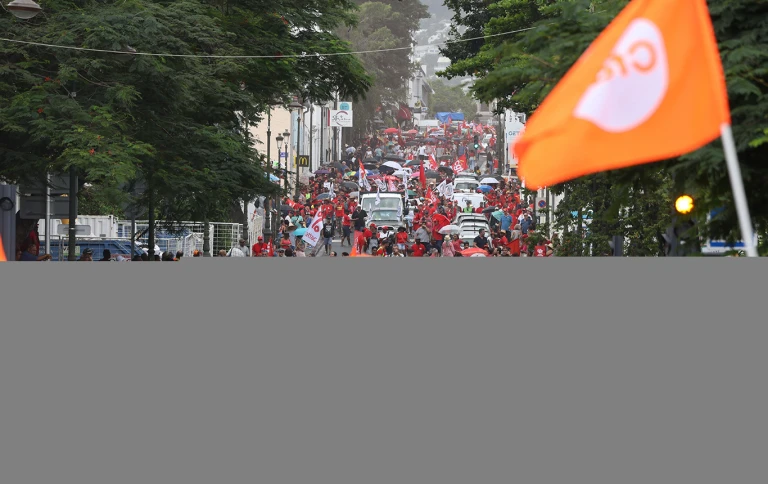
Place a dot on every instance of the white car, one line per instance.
(465, 185)
(462, 217)
(469, 229)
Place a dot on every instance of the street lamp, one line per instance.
(24, 9)
(279, 140)
(299, 108)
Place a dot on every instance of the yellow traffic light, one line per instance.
(684, 204)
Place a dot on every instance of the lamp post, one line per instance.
(299, 108)
(25, 10)
(267, 204)
(283, 147)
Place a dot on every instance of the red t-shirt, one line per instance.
(257, 248)
(360, 240)
(285, 243)
(401, 237)
(339, 210)
(367, 233)
(418, 250)
(346, 221)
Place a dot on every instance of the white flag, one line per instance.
(378, 198)
(312, 234)
(448, 190)
(441, 188)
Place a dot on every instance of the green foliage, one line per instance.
(520, 71)
(384, 24)
(451, 99)
(180, 123)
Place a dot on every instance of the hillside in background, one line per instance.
(432, 31)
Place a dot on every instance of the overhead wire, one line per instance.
(214, 56)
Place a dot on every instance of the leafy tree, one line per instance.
(176, 121)
(384, 24)
(451, 99)
(526, 67)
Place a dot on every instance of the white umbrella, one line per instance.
(489, 181)
(450, 229)
(392, 164)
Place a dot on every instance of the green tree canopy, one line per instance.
(384, 24)
(177, 120)
(451, 99)
(525, 67)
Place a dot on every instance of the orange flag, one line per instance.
(2, 252)
(649, 88)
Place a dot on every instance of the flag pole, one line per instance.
(737, 185)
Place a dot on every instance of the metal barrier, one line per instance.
(184, 236)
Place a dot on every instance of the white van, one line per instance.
(476, 198)
(389, 201)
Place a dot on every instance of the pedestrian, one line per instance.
(244, 248)
(106, 255)
(346, 227)
(328, 232)
(402, 239)
(448, 249)
(87, 255)
(418, 249)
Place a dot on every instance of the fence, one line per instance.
(185, 237)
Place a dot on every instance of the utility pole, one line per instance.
(72, 243)
(336, 131)
(311, 135)
(299, 115)
(267, 204)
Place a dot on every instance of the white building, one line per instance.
(418, 95)
(316, 138)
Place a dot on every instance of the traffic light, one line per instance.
(684, 204)
(477, 142)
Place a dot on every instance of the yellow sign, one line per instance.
(302, 160)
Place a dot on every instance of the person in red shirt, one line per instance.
(339, 213)
(346, 226)
(402, 239)
(360, 242)
(417, 249)
(456, 243)
(368, 233)
(258, 247)
(416, 219)
(438, 222)
(285, 242)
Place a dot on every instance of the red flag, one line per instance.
(270, 248)
(2, 252)
(422, 175)
(432, 162)
(514, 246)
(462, 163)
